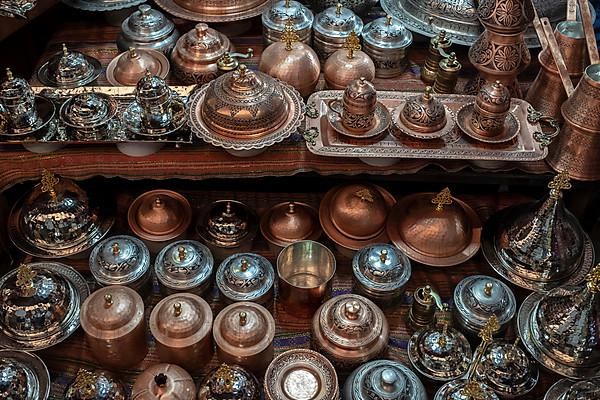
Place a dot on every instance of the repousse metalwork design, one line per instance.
(245, 277)
(184, 265)
(120, 260)
(95, 385)
(23, 376)
(229, 382)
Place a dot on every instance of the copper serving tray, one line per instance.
(321, 139)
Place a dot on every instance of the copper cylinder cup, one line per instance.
(490, 110)
(357, 108)
(305, 269)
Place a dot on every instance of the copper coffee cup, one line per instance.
(305, 271)
(357, 108)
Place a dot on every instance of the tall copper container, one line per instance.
(182, 325)
(578, 145)
(114, 325)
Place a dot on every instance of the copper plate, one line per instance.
(337, 236)
(446, 129)
(175, 9)
(512, 127)
(490, 253)
(381, 123)
(158, 55)
(398, 213)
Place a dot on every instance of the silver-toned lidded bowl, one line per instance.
(331, 28)
(40, 305)
(23, 376)
(147, 28)
(121, 260)
(507, 370)
(384, 379)
(229, 382)
(477, 298)
(246, 277)
(102, 5)
(462, 389)
(89, 114)
(569, 389)
(381, 272)
(439, 354)
(385, 40)
(275, 18)
(69, 69)
(184, 266)
(95, 385)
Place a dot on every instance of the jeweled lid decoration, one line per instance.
(23, 376)
(229, 382)
(96, 385)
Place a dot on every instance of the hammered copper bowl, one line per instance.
(305, 269)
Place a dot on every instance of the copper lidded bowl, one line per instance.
(246, 277)
(424, 116)
(301, 374)
(164, 381)
(214, 10)
(282, 13)
(23, 376)
(381, 272)
(229, 382)
(147, 28)
(129, 67)
(40, 305)
(114, 325)
(435, 229)
(386, 41)
(344, 66)
(289, 222)
(568, 389)
(69, 69)
(243, 334)
(181, 324)
(384, 379)
(96, 385)
(184, 266)
(332, 27)
(350, 329)
(90, 115)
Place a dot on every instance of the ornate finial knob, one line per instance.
(177, 309)
(25, 275)
(427, 293)
(49, 182)
(510, 355)
(228, 204)
(226, 377)
(388, 20)
(148, 73)
(291, 207)
(452, 62)
(338, 9)
(593, 279)
(201, 29)
(181, 253)
(144, 8)
(487, 289)
(442, 339)
(487, 332)
(85, 384)
(9, 74)
(365, 195)
(115, 249)
(108, 300)
(427, 93)
(287, 3)
(289, 35)
(443, 198)
(383, 256)
(388, 379)
(65, 50)
(559, 183)
(352, 44)
(472, 391)
(132, 53)
(243, 318)
(352, 309)
(244, 265)
(158, 203)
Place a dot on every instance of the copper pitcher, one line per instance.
(578, 145)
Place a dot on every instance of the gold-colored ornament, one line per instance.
(226, 375)
(365, 195)
(85, 384)
(25, 277)
(473, 391)
(49, 182)
(492, 326)
(593, 279)
(443, 198)
(289, 35)
(560, 182)
(352, 44)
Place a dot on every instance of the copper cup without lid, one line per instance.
(164, 381)
(243, 334)
(289, 222)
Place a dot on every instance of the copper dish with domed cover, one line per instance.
(23, 376)
(214, 10)
(435, 229)
(289, 222)
(129, 67)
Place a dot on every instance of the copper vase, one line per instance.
(578, 145)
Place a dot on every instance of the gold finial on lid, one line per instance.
(473, 391)
(352, 44)
(289, 36)
(338, 9)
(65, 50)
(443, 198)
(115, 249)
(49, 182)
(365, 195)
(491, 326)
(388, 20)
(9, 75)
(593, 279)
(352, 309)
(487, 289)
(226, 377)
(108, 300)
(181, 253)
(132, 52)
(559, 183)
(25, 275)
(287, 3)
(177, 309)
(383, 256)
(243, 318)
(85, 384)
(427, 93)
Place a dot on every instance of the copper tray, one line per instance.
(323, 140)
(175, 9)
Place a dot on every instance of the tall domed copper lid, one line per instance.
(164, 381)
(424, 113)
(201, 45)
(129, 67)
(494, 98)
(181, 320)
(244, 329)
(227, 223)
(229, 382)
(290, 222)
(435, 229)
(159, 215)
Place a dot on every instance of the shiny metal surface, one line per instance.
(423, 308)
(360, 7)
(305, 270)
(101, 5)
(300, 374)
(348, 64)
(357, 106)
(69, 69)
(227, 224)
(568, 389)
(129, 67)
(95, 385)
(164, 381)
(155, 99)
(424, 115)
(229, 382)
(184, 266)
(380, 122)
(386, 41)
(447, 73)
(490, 110)
(283, 13)
(18, 103)
(246, 277)
(147, 28)
(332, 27)
(383, 379)
(214, 10)
(40, 305)
(23, 376)
(289, 222)
(508, 129)
(462, 389)
(439, 41)
(89, 115)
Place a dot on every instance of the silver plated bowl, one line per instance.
(23, 376)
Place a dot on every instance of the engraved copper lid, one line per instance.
(69, 69)
(290, 222)
(463, 389)
(424, 113)
(244, 104)
(227, 223)
(493, 98)
(441, 353)
(337, 22)
(14, 90)
(435, 228)
(387, 33)
(244, 329)
(384, 379)
(360, 95)
(568, 389)
(348, 64)
(282, 11)
(164, 381)
(159, 215)
(300, 374)
(245, 277)
(381, 269)
(181, 320)
(120, 260)
(355, 215)
(229, 382)
(507, 370)
(129, 67)
(112, 311)
(184, 265)
(146, 25)
(23, 376)
(478, 297)
(88, 110)
(201, 45)
(96, 385)
(52, 290)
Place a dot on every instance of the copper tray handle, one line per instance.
(588, 28)
(543, 138)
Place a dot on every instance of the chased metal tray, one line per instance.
(322, 139)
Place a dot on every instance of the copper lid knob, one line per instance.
(108, 301)
(352, 310)
(243, 318)
(177, 309)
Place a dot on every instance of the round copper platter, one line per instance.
(175, 9)
(338, 237)
(398, 213)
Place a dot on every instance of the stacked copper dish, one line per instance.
(214, 10)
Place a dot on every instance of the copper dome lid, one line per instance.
(355, 215)
(229, 382)
(69, 69)
(424, 113)
(348, 64)
(222, 9)
(164, 381)
(244, 104)
(23, 376)
(435, 229)
(227, 223)
(290, 222)
(129, 67)
(95, 385)
(159, 215)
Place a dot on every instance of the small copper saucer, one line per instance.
(45, 110)
(340, 238)
(132, 119)
(448, 128)
(158, 55)
(382, 121)
(512, 126)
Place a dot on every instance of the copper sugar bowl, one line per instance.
(181, 324)
(332, 27)
(23, 376)
(228, 227)
(164, 381)
(350, 330)
(246, 277)
(386, 41)
(159, 217)
(348, 64)
(424, 115)
(229, 382)
(357, 106)
(95, 385)
(283, 13)
(301, 374)
(243, 334)
(289, 222)
(490, 110)
(129, 67)
(147, 28)
(114, 325)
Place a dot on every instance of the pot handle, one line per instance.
(543, 138)
(336, 106)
